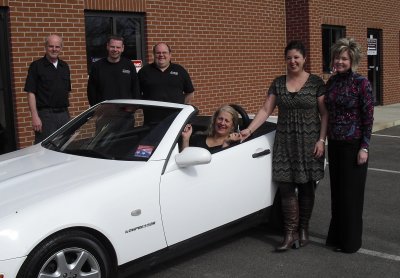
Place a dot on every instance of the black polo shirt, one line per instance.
(112, 81)
(170, 85)
(50, 85)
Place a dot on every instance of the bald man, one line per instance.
(48, 85)
(163, 80)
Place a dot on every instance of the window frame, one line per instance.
(114, 16)
(334, 33)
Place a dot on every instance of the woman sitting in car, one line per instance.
(220, 133)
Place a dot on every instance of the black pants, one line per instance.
(51, 121)
(347, 180)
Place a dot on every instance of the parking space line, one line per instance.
(383, 135)
(383, 170)
(379, 170)
(379, 254)
(363, 251)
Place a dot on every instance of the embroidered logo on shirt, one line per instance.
(126, 71)
(173, 72)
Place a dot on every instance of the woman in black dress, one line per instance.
(298, 153)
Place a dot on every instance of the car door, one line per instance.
(234, 184)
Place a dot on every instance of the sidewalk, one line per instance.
(386, 116)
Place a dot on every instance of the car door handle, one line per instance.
(262, 153)
(136, 212)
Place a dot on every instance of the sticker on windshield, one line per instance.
(144, 151)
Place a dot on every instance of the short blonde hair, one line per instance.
(224, 108)
(352, 47)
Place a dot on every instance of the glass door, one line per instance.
(7, 129)
(374, 51)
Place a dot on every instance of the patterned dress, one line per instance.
(297, 131)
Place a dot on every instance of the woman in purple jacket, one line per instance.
(350, 105)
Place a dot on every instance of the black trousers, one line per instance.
(347, 180)
(51, 121)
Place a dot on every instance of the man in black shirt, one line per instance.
(48, 85)
(165, 81)
(113, 77)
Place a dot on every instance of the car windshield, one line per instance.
(114, 131)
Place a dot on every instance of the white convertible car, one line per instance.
(110, 192)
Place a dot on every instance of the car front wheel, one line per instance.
(72, 254)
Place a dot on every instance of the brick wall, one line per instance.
(304, 20)
(232, 49)
(31, 21)
(298, 25)
(119, 5)
(358, 17)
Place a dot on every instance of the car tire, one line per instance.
(68, 254)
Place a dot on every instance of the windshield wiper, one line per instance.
(51, 143)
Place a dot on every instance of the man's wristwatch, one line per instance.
(364, 150)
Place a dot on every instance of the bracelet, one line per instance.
(250, 131)
(364, 150)
(322, 140)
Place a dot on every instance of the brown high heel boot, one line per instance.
(290, 211)
(304, 236)
(306, 204)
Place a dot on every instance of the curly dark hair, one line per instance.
(297, 45)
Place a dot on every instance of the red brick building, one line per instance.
(232, 49)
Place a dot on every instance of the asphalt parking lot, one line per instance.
(251, 254)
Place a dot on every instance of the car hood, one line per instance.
(35, 174)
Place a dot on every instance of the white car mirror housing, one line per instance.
(191, 156)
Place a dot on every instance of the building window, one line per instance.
(329, 36)
(99, 26)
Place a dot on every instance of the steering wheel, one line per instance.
(243, 115)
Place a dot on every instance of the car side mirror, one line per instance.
(191, 156)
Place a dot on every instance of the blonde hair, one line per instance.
(225, 108)
(352, 47)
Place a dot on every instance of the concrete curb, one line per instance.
(379, 126)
